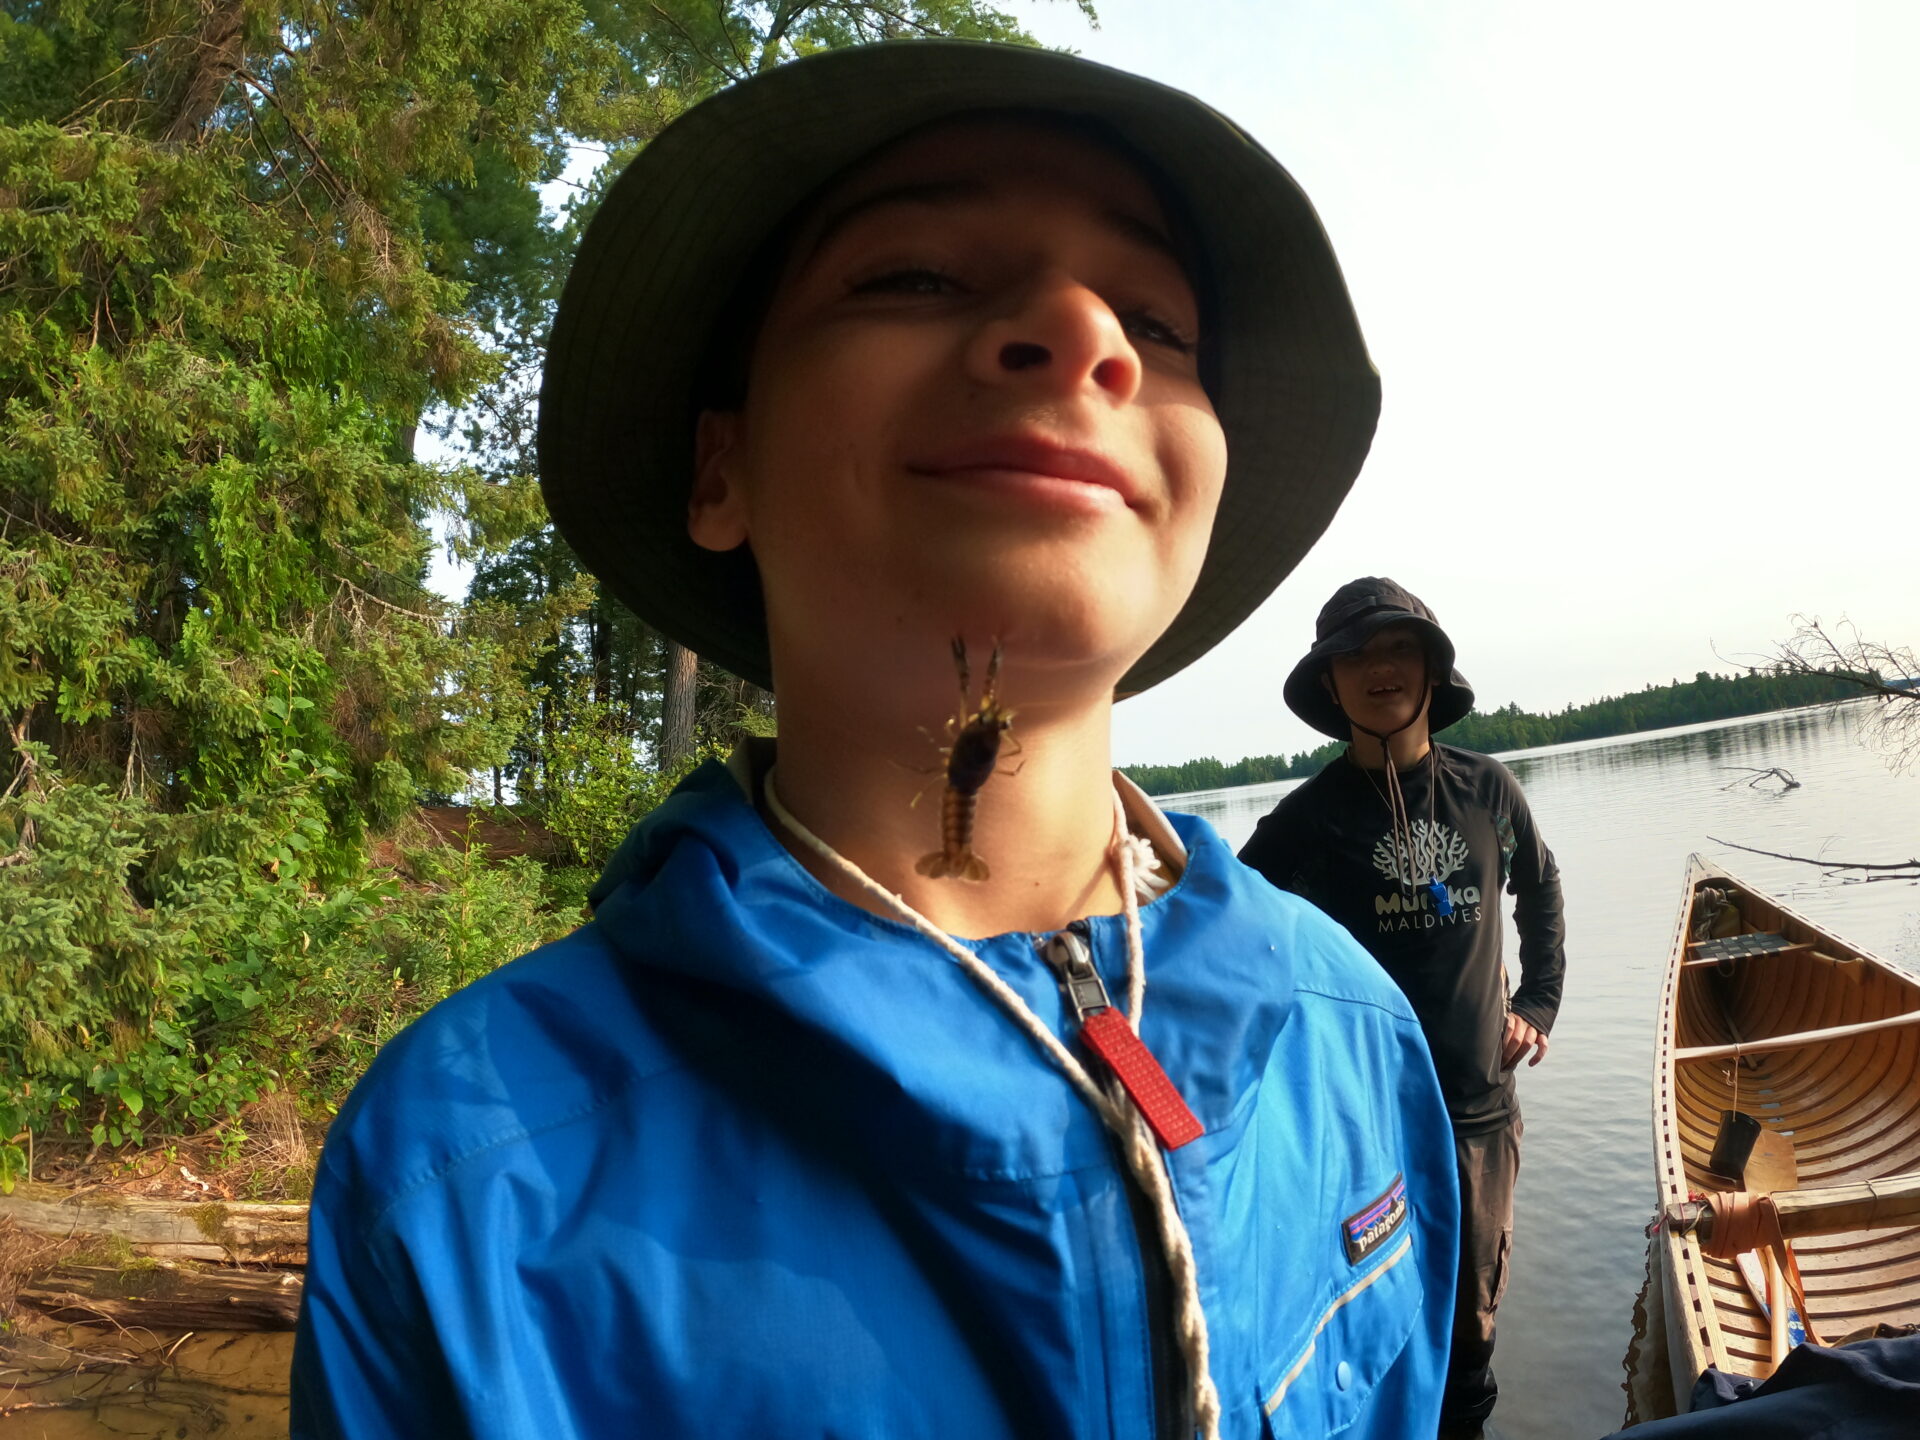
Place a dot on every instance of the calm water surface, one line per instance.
(1621, 816)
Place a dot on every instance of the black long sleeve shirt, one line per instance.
(1331, 842)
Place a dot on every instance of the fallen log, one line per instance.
(167, 1297)
(166, 1229)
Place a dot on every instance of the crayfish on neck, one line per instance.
(977, 733)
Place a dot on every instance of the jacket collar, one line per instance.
(733, 942)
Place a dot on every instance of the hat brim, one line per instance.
(1315, 704)
(1296, 393)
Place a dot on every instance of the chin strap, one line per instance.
(1401, 822)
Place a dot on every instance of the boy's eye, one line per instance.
(909, 280)
(1147, 326)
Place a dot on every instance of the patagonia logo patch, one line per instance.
(1367, 1231)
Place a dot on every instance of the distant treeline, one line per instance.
(1683, 702)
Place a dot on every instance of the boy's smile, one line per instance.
(974, 407)
(1030, 468)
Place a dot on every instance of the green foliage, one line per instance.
(472, 916)
(1207, 773)
(246, 250)
(151, 983)
(598, 788)
(217, 331)
(1705, 697)
(1690, 702)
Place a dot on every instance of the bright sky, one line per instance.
(1642, 282)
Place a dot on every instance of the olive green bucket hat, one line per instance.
(1296, 394)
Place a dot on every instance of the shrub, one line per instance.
(158, 972)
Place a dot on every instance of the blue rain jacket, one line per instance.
(739, 1158)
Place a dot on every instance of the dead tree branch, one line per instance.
(1889, 674)
(1785, 777)
(1869, 869)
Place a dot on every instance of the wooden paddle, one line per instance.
(1772, 1167)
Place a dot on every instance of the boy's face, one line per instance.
(974, 407)
(1382, 685)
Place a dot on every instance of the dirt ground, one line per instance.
(274, 1162)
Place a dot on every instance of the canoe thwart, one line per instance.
(1820, 1210)
(1788, 1042)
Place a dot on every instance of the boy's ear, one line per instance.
(717, 506)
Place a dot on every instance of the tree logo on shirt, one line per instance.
(1438, 854)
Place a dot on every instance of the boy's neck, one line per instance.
(1408, 747)
(850, 776)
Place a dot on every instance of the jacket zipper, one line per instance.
(1069, 955)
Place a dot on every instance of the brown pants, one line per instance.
(1488, 1166)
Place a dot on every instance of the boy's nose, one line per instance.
(1062, 338)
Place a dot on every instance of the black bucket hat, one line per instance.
(1358, 610)
(1295, 391)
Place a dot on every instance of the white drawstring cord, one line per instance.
(1120, 1116)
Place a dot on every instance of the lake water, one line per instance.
(1621, 817)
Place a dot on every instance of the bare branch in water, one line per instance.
(1785, 777)
(1870, 870)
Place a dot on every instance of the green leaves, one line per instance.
(158, 973)
(244, 249)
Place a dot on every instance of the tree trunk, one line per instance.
(679, 681)
(600, 637)
(216, 54)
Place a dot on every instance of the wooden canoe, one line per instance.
(1765, 1012)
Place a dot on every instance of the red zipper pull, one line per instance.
(1109, 1036)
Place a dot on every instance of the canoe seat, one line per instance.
(1741, 947)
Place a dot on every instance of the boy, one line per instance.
(764, 1149)
(1406, 843)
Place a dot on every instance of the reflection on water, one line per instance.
(1622, 816)
(85, 1382)
(1649, 1382)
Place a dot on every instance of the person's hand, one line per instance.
(1522, 1037)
